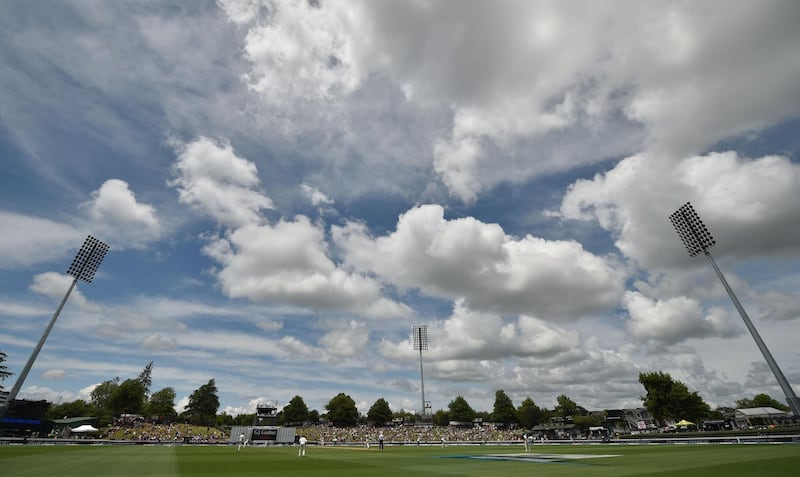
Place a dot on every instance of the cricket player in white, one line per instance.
(302, 451)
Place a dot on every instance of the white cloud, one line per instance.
(54, 374)
(21, 309)
(477, 262)
(38, 393)
(158, 342)
(112, 214)
(55, 285)
(302, 52)
(250, 408)
(315, 196)
(536, 68)
(180, 404)
(457, 163)
(86, 393)
(742, 201)
(405, 102)
(485, 336)
(288, 262)
(346, 341)
(297, 349)
(270, 325)
(116, 214)
(676, 319)
(214, 180)
(35, 240)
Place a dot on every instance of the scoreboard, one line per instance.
(261, 434)
(265, 435)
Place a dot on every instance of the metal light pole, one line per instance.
(420, 340)
(83, 268)
(697, 238)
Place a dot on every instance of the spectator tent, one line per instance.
(756, 416)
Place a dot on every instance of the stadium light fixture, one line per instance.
(419, 337)
(83, 267)
(697, 239)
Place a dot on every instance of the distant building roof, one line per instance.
(73, 420)
(760, 412)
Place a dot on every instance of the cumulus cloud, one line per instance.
(117, 215)
(346, 341)
(286, 262)
(296, 348)
(477, 262)
(214, 180)
(472, 335)
(38, 393)
(674, 320)
(741, 200)
(301, 52)
(509, 83)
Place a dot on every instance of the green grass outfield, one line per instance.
(728, 460)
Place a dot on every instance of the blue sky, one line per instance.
(288, 187)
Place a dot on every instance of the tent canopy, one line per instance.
(85, 428)
(684, 422)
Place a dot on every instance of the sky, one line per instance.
(288, 187)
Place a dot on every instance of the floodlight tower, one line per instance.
(83, 268)
(420, 340)
(697, 239)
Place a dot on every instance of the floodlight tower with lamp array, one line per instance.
(698, 239)
(419, 337)
(83, 267)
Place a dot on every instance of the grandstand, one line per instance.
(26, 418)
(265, 429)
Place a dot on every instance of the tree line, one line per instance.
(665, 399)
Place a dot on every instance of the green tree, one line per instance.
(101, 394)
(379, 414)
(503, 411)
(667, 398)
(295, 412)
(313, 416)
(722, 412)
(203, 404)
(224, 419)
(441, 418)
(3, 369)
(78, 408)
(529, 414)
(342, 410)
(658, 386)
(761, 400)
(162, 404)
(128, 398)
(585, 422)
(407, 416)
(460, 410)
(244, 419)
(566, 407)
(145, 378)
